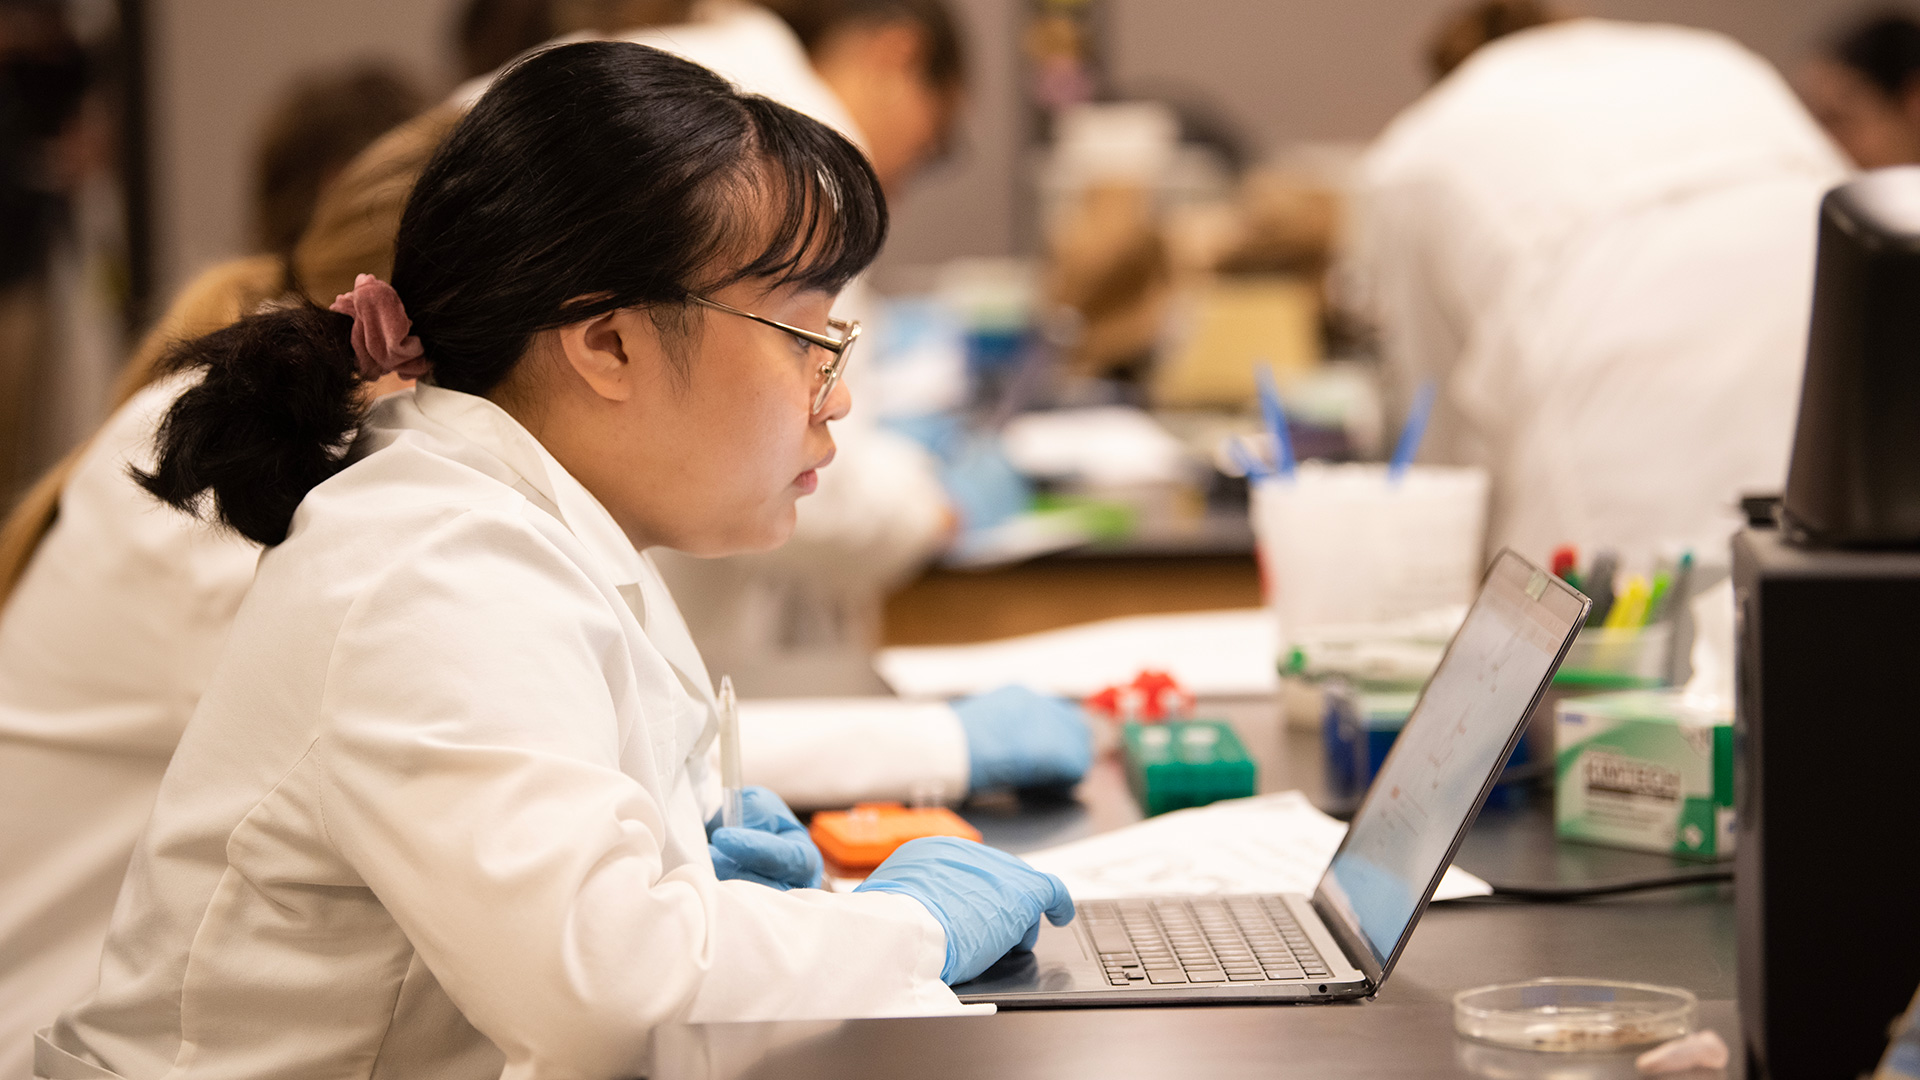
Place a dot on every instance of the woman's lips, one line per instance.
(809, 480)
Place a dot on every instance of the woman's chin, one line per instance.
(781, 529)
(766, 537)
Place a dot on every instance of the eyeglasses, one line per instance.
(841, 347)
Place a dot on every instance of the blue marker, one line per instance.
(1276, 417)
(1414, 431)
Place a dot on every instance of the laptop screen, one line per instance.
(1458, 736)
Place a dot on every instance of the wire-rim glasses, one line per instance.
(840, 347)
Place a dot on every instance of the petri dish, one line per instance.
(1574, 1015)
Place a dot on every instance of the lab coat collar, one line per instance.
(545, 481)
(550, 486)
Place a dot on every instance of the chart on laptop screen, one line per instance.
(1451, 743)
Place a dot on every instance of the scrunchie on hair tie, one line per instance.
(383, 337)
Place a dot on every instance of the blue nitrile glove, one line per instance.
(984, 487)
(988, 902)
(771, 847)
(1018, 738)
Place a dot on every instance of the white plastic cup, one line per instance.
(1342, 544)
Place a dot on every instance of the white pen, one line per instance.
(732, 809)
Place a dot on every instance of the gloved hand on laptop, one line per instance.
(989, 902)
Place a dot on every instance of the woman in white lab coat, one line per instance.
(443, 805)
(1598, 239)
(104, 570)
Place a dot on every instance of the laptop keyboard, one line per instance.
(1200, 940)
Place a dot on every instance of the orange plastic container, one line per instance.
(857, 840)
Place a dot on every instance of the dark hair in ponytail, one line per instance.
(591, 177)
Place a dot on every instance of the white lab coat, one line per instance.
(441, 806)
(752, 47)
(105, 646)
(757, 51)
(1598, 237)
(832, 752)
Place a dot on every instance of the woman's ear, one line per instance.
(613, 353)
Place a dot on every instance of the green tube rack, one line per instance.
(1183, 763)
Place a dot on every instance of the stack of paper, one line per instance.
(1266, 844)
(1212, 653)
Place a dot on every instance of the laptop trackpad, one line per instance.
(1058, 963)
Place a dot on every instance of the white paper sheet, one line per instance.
(1213, 653)
(1265, 844)
(1102, 446)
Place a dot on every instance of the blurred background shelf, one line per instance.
(954, 606)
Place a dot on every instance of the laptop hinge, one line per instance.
(1352, 945)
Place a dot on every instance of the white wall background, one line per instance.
(1284, 70)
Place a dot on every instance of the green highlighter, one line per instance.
(1184, 763)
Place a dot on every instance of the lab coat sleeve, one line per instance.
(476, 774)
(832, 752)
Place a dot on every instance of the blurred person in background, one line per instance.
(113, 610)
(319, 124)
(44, 154)
(491, 32)
(897, 66)
(1462, 33)
(1597, 238)
(1865, 90)
(890, 74)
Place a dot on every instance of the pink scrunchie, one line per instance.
(383, 336)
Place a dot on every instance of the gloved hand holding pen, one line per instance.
(1019, 738)
(989, 902)
(770, 847)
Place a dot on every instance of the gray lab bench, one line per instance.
(1680, 937)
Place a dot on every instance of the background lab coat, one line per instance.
(445, 793)
(1599, 238)
(104, 649)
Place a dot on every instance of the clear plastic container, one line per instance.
(1574, 1015)
(1619, 658)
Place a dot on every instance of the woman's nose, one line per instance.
(839, 402)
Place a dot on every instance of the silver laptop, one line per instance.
(1343, 940)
